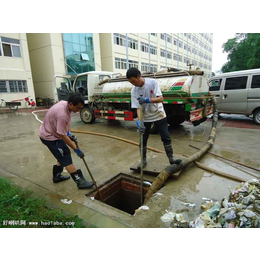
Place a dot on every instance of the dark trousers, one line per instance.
(162, 126)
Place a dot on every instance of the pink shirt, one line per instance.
(56, 122)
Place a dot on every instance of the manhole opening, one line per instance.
(121, 192)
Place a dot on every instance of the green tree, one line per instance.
(243, 52)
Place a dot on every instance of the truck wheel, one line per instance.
(175, 120)
(87, 115)
(153, 129)
(256, 116)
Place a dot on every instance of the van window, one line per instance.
(256, 81)
(214, 85)
(236, 83)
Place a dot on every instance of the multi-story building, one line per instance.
(61, 54)
(15, 70)
(150, 52)
(50, 54)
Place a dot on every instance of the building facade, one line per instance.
(29, 69)
(151, 52)
(54, 54)
(15, 69)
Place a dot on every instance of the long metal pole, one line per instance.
(90, 174)
(142, 153)
(127, 61)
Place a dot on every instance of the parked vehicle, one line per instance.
(238, 92)
(13, 105)
(108, 95)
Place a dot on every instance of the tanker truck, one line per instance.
(107, 95)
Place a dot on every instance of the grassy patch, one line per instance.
(18, 208)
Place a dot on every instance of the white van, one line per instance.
(238, 92)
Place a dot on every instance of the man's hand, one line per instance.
(141, 128)
(79, 153)
(73, 138)
(144, 100)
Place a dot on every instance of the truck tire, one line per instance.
(256, 116)
(87, 115)
(175, 120)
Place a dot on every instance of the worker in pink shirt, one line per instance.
(55, 134)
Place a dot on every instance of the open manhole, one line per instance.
(121, 192)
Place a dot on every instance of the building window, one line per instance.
(163, 36)
(120, 63)
(144, 47)
(133, 44)
(153, 68)
(153, 50)
(169, 38)
(186, 60)
(194, 51)
(10, 47)
(177, 57)
(180, 44)
(79, 52)
(133, 64)
(13, 86)
(154, 34)
(169, 55)
(3, 87)
(145, 67)
(119, 39)
(187, 35)
(163, 53)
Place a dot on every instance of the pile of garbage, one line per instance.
(240, 210)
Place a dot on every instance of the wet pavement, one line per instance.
(28, 163)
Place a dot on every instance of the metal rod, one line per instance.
(229, 159)
(99, 193)
(142, 152)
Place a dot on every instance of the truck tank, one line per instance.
(195, 85)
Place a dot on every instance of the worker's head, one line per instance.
(75, 102)
(134, 77)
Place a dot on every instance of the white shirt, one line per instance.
(152, 111)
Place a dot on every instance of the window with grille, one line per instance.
(13, 86)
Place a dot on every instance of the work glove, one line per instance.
(79, 153)
(143, 100)
(73, 138)
(140, 128)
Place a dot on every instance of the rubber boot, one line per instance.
(57, 177)
(144, 156)
(80, 180)
(169, 153)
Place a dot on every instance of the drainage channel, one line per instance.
(121, 192)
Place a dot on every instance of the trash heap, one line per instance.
(240, 210)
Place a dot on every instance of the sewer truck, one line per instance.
(107, 95)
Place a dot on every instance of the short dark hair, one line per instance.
(133, 72)
(75, 99)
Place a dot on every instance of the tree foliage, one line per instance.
(243, 52)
